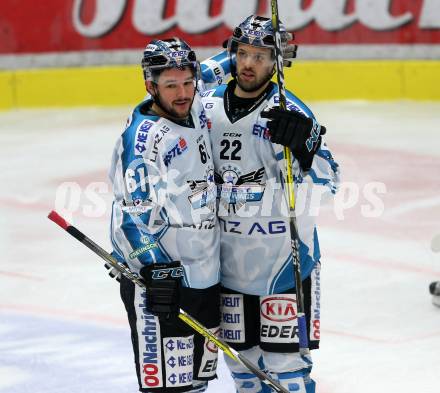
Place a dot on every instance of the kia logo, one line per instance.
(279, 309)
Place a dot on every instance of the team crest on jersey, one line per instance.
(178, 147)
(236, 189)
(204, 192)
(136, 206)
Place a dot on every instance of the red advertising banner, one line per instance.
(30, 27)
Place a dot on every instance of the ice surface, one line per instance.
(63, 326)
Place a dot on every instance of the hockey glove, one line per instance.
(302, 135)
(289, 54)
(163, 281)
(289, 51)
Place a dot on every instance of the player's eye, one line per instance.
(241, 54)
(260, 57)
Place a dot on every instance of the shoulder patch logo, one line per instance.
(141, 136)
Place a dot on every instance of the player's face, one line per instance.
(254, 67)
(176, 89)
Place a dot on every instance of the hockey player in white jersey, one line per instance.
(258, 299)
(164, 224)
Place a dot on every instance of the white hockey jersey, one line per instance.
(253, 211)
(165, 194)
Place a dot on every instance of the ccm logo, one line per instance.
(279, 309)
(160, 274)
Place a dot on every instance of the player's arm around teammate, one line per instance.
(164, 224)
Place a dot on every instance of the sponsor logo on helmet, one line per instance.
(255, 33)
(179, 53)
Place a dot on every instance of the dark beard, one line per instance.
(168, 109)
(254, 87)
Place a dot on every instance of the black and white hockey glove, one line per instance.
(302, 135)
(163, 281)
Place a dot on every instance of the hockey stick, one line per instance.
(302, 326)
(188, 319)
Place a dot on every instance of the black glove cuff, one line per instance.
(305, 158)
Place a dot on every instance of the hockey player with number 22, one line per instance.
(248, 132)
(164, 224)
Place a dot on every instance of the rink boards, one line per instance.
(311, 80)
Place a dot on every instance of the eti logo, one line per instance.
(177, 149)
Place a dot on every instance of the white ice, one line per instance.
(63, 327)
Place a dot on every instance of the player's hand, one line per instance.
(163, 281)
(289, 51)
(289, 54)
(301, 134)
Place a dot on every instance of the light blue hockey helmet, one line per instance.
(257, 31)
(169, 53)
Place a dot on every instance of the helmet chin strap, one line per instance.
(274, 71)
